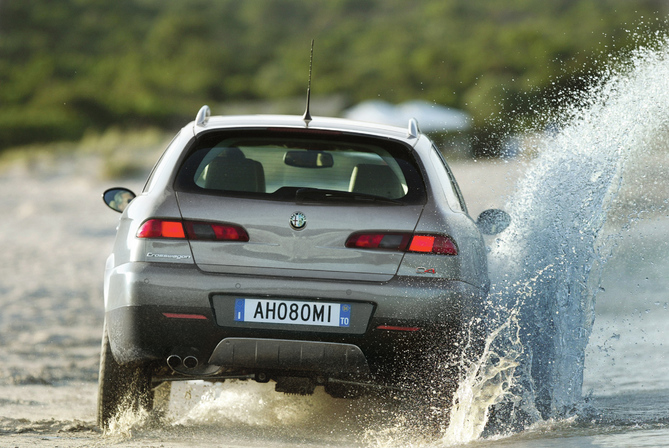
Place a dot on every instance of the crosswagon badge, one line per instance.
(298, 221)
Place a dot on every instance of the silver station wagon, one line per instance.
(307, 252)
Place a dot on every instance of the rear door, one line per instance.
(299, 198)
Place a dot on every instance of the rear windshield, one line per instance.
(302, 166)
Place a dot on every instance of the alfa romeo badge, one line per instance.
(298, 221)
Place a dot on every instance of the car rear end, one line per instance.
(330, 254)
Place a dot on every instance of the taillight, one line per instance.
(433, 244)
(388, 241)
(160, 228)
(215, 232)
(397, 328)
(403, 242)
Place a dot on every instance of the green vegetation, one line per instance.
(69, 66)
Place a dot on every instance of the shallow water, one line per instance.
(47, 386)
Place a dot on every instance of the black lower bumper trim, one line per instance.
(275, 354)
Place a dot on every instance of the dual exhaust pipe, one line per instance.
(175, 362)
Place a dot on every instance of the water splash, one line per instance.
(249, 404)
(485, 382)
(546, 267)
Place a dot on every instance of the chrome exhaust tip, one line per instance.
(190, 362)
(174, 361)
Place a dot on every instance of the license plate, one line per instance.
(293, 312)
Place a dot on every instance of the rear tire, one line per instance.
(120, 387)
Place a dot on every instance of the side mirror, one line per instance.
(118, 198)
(493, 221)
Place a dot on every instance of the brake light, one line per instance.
(192, 230)
(185, 316)
(209, 231)
(158, 228)
(403, 242)
(397, 328)
(388, 241)
(442, 245)
(309, 131)
(230, 233)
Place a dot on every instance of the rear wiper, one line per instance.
(306, 194)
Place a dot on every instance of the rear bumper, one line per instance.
(154, 311)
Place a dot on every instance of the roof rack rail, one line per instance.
(202, 116)
(413, 130)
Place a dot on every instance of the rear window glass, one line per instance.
(289, 166)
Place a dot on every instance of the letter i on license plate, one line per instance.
(291, 312)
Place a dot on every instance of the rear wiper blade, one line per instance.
(303, 194)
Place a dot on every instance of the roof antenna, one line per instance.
(307, 116)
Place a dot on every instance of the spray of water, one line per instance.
(546, 267)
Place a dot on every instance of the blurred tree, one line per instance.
(70, 65)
